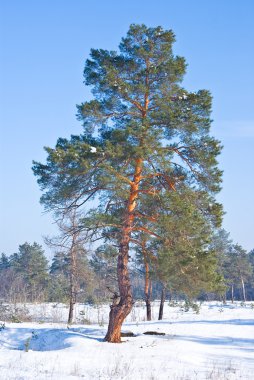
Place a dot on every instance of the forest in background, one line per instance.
(27, 276)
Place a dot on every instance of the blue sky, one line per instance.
(44, 45)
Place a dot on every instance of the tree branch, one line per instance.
(144, 229)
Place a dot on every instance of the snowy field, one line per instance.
(216, 344)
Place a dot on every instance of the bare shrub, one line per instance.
(14, 313)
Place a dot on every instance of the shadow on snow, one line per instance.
(44, 339)
(53, 339)
(240, 322)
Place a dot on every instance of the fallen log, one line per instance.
(153, 333)
(127, 334)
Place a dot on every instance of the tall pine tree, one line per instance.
(144, 134)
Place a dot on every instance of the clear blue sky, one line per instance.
(44, 45)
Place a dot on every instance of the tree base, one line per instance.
(117, 315)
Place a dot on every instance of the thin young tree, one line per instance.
(148, 285)
(70, 242)
(143, 135)
(143, 263)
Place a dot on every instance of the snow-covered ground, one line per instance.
(216, 344)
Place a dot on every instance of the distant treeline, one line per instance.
(26, 276)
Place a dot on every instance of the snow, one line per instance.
(217, 343)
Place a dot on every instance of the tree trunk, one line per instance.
(243, 290)
(122, 305)
(163, 295)
(72, 298)
(71, 309)
(147, 291)
(232, 293)
(73, 275)
(150, 296)
(223, 298)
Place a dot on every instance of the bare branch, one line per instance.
(150, 218)
(144, 229)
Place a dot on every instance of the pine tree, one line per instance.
(4, 262)
(58, 290)
(4, 276)
(221, 244)
(60, 263)
(144, 257)
(143, 136)
(31, 264)
(186, 262)
(237, 269)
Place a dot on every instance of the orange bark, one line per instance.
(120, 310)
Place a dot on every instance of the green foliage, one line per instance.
(189, 304)
(251, 257)
(186, 264)
(60, 270)
(24, 275)
(60, 263)
(104, 263)
(4, 262)
(140, 111)
(174, 129)
(58, 288)
(31, 261)
(32, 265)
(236, 265)
(104, 260)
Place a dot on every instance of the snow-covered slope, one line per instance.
(217, 343)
